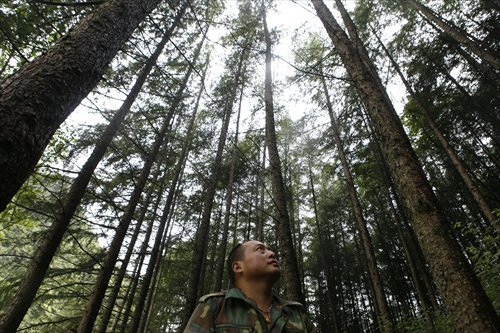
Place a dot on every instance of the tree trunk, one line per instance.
(291, 274)
(458, 34)
(162, 226)
(261, 176)
(463, 295)
(38, 98)
(456, 161)
(201, 240)
(106, 316)
(52, 239)
(331, 284)
(383, 314)
(94, 304)
(219, 267)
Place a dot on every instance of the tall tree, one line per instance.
(381, 308)
(38, 98)
(458, 34)
(45, 252)
(291, 276)
(201, 241)
(162, 225)
(221, 256)
(463, 295)
(93, 306)
(456, 161)
(331, 283)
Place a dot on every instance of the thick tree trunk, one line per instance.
(458, 34)
(39, 97)
(383, 314)
(456, 161)
(464, 297)
(94, 304)
(45, 252)
(291, 274)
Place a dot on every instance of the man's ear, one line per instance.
(237, 267)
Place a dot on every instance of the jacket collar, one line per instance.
(237, 293)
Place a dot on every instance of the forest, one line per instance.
(140, 140)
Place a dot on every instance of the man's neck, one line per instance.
(260, 292)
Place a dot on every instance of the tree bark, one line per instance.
(456, 161)
(52, 239)
(458, 34)
(463, 295)
(40, 96)
(291, 274)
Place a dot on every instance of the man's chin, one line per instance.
(275, 276)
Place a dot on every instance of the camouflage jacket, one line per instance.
(231, 312)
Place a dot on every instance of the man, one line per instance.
(250, 306)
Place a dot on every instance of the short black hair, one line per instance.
(236, 253)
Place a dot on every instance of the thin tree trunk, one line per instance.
(52, 239)
(488, 73)
(38, 97)
(162, 226)
(463, 295)
(130, 291)
(456, 161)
(383, 315)
(331, 284)
(291, 274)
(133, 289)
(458, 34)
(261, 177)
(201, 240)
(219, 267)
(94, 304)
(106, 316)
(159, 263)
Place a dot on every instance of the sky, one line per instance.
(289, 18)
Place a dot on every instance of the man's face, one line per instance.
(259, 261)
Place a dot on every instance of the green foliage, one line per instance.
(442, 324)
(27, 29)
(485, 257)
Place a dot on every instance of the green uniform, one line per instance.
(231, 312)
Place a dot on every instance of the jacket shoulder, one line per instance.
(286, 302)
(204, 298)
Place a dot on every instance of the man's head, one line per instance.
(252, 260)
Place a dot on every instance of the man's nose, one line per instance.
(271, 254)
